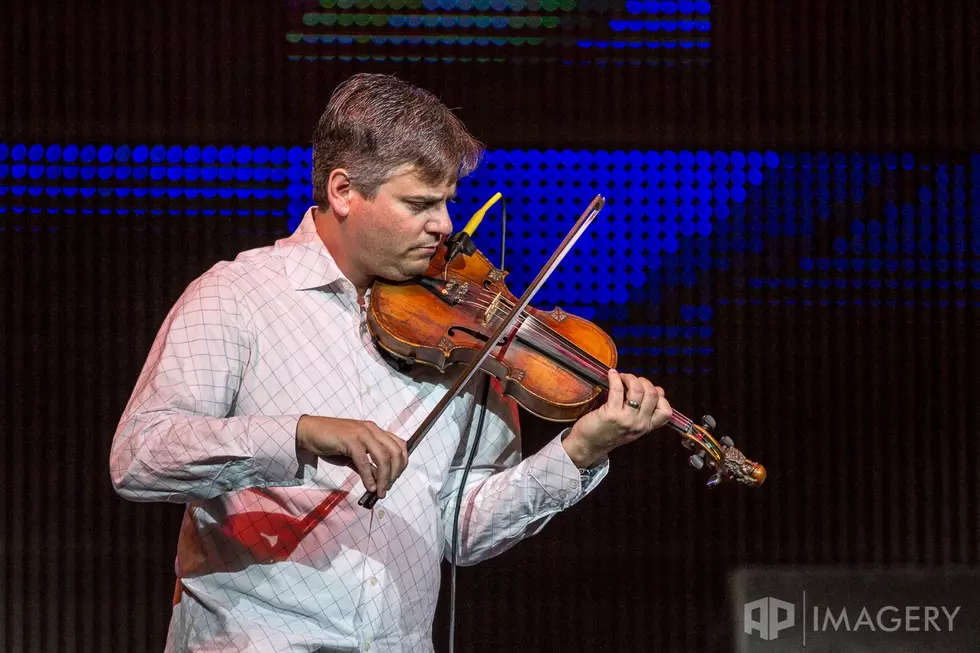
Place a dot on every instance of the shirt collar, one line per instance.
(307, 261)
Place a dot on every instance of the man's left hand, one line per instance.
(633, 408)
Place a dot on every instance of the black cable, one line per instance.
(469, 462)
(459, 503)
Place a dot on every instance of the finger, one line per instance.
(398, 453)
(634, 392)
(615, 399)
(650, 400)
(382, 464)
(662, 414)
(364, 468)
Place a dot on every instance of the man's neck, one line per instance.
(328, 231)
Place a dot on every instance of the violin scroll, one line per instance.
(722, 457)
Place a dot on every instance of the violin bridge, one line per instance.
(491, 309)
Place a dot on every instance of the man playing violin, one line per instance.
(265, 407)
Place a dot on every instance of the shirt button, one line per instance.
(374, 581)
(367, 646)
(562, 494)
(381, 514)
(573, 484)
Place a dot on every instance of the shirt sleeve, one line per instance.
(507, 499)
(176, 440)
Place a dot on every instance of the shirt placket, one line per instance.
(373, 574)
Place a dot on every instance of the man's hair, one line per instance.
(375, 123)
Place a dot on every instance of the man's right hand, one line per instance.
(356, 440)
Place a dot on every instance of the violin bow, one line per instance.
(368, 499)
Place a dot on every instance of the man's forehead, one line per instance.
(408, 180)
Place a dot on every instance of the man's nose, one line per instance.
(441, 224)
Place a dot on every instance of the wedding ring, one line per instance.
(632, 404)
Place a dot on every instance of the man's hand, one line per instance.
(355, 440)
(617, 422)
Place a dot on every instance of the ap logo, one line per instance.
(773, 615)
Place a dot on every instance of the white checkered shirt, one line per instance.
(274, 553)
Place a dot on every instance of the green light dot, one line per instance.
(549, 5)
(550, 22)
(345, 4)
(328, 19)
(535, 41)
(311, 19)
(568, 5)
(327, 4)
(413, 4)
(363, 38)
(379, 20)
(345, 20)
(293, 37)
(397, 5)
(379, 4)
(362, 20)
(517, 22)
(362, 4)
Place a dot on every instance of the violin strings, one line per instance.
(547, 332)
(555, 338)
(536, 326)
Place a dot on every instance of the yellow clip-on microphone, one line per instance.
(461, 242)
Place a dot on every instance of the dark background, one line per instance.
(865, 414)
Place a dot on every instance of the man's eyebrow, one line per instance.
(429, 198)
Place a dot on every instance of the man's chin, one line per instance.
(404, 274)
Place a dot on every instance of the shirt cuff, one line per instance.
(278, 460)
(563, 482)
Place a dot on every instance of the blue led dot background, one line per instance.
(792, 228)
(791, 244)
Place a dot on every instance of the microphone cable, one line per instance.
(476, 437)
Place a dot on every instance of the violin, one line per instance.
(553, 363)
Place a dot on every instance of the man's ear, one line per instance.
(339, 193)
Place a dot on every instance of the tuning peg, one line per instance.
(688, 444)
(697, 460)
(708, 423)
(727, 441)
(714, 480)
